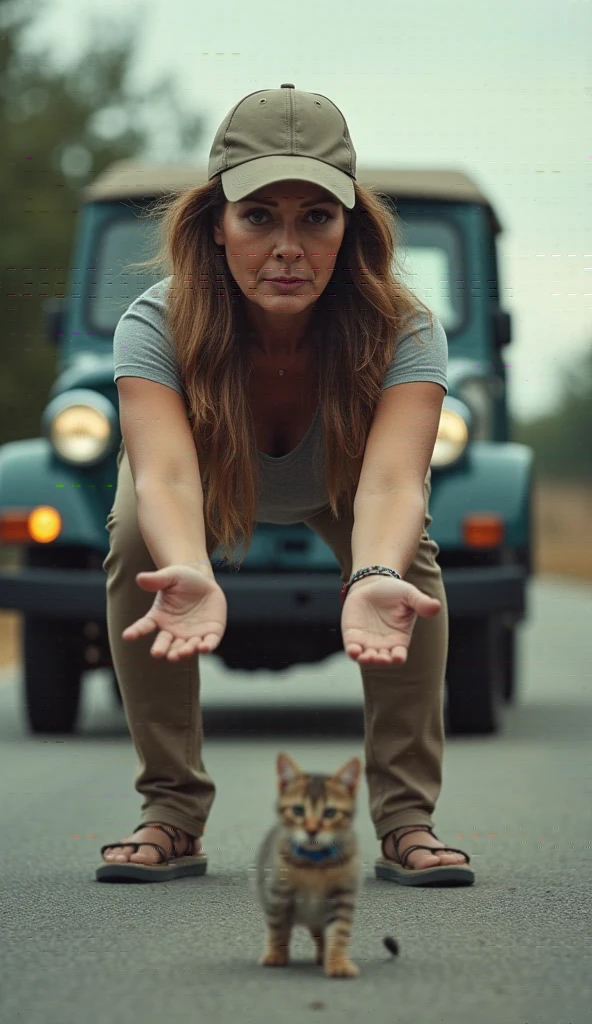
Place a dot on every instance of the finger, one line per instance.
(158, 580)
(211, 641)
(161, 644)
(140, 628)
(193, 646)
(188, 648)
(372, 654)
(177, 649)
(427, 606)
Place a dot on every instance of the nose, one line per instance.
(288, 255)
(288, 248)
(311, 832)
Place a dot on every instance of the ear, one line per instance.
(349, 774)
(218, 233)
(287, 770)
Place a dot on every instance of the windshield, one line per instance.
(432, 266)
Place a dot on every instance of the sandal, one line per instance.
(441, 874)
(164, 871)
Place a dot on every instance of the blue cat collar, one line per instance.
(321, 854)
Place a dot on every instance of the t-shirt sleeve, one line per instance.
(420, 354)
(142, 346)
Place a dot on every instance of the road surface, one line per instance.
(515, 948)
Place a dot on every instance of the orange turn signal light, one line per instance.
(483, 530)
(19, 526)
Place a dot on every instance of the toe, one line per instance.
(119, 853)
(145, 855)
(429, 860)
(452, 858)
(122, 853)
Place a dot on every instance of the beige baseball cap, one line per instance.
(281, 134)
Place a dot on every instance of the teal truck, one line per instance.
(57, 489)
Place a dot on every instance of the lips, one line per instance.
(287, 280)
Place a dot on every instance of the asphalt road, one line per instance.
(515, 948)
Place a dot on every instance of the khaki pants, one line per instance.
(404, 725)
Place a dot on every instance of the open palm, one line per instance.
(378, 617)
(189, 612)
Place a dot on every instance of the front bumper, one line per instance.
(256, 598)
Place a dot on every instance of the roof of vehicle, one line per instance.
(130, 178)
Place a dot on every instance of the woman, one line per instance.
(280, 340)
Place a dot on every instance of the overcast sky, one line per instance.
(501, 91)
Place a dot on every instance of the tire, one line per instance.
(53, 671)
(52, 654)
(508, 663)
(474, 676)
(115, 687)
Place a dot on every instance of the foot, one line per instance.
(147, 854)
(343, 968)
(419, 858)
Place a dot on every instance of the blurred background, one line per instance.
(502, 92)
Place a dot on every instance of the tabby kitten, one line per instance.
(308, 866)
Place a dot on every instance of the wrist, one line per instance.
(205, 568)
(364, 573)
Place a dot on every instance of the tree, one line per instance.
(562, 440)
(59, 130)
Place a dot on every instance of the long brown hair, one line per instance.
(360, 315)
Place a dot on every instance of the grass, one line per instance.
(563, 526)
(563, 521)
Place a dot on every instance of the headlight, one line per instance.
(81, 426)
(454, 431)
(476, 392)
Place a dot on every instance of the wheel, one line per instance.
(52, 655)
(115, 687)
(53, 670)
(474, 676)
(508, 663)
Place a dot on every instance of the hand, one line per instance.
(378, 617)
(189, 611)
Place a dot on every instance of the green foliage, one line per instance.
(59, 130)
(562, 439)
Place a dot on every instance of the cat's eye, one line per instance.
(329, 812)
(298, 810)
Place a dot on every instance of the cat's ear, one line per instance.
(349, 774)
(287, 769)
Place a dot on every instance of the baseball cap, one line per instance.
(281, 134)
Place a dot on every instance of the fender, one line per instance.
(31, 474)
(492, 477)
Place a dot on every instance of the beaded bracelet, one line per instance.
(371, 570)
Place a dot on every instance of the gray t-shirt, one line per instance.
(293, 486)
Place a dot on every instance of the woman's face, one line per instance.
(289, 229)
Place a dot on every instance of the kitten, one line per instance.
(308, 866)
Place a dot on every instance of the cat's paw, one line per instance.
(341, 969)
(274, 958)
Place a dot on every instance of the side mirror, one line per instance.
(502, 328)
(53, 315)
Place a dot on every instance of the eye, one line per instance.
(298, 810)
(258, 223)
(329, 812)
(323, 213)
(251, 213)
